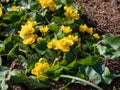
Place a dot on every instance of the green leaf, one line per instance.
(112, 41)
(53, 27)
(12, 52)
(92, 75)
(61, 1)
(31, 61)
(2, 47)
(41, 47)
(3, 85)
(44, 81)
(62, 20)
(32, 15)
(34, 5)
(53, 72)
(24, 48)
(8, 39)
(3, 78)
(33, 82)
(3, 24)
(67, 59)
(115, 55)
(89, 60)
(107, 76)
(102, 49)
(12, 17)
(60, 34)
(43, 13)
(3, 71)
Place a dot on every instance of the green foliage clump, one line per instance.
(50, 40)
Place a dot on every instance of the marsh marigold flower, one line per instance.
(65, 44)
(96, 36)
(29, 39)
(48, 4)
(27, 29)
(89, 31)
(1, 11)
(43, 29)
(14, 8)
(66, 29)
(84, 28)
(62, 44)
(31, 22)
(53, 7)
(71, 12)
(73, 38)
(40, 66)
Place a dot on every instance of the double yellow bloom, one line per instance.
(40, 66)
(62, 44)
(27, 31)
(48, 4)
(66, 29)
(84, 28)
(71, 12)
(43, 29)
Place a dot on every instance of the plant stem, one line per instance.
(82, 80)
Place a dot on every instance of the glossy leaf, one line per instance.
(107, 76)
(89, 60)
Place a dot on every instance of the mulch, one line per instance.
(106, 13)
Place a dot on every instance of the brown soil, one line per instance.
(106, 13)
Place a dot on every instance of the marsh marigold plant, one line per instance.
(45, 40)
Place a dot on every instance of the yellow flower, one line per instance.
(62, 44)
(66, 29)
(71, 13)
(74, 38)
(53, 7)
(14, 8)
(50, 45)
(29, 39)
(48, 3)
(89, 31)
(65, 44)
(1, 12)
(40, 67)
(53, 44)
(31, 22)
(39, 39)
(96, 35)
(43, 29)
(83, 28)
(28, 28)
